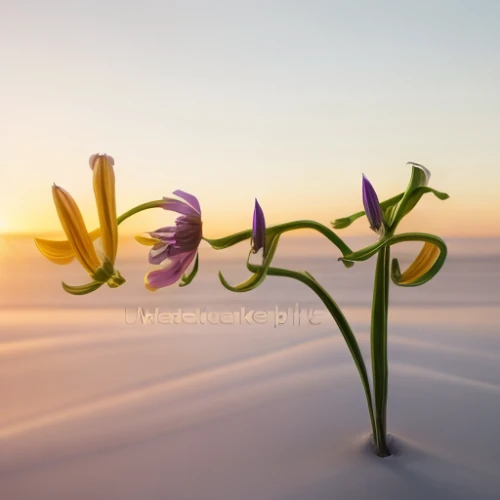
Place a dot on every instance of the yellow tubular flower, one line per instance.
(76, 232)
(421, 265)
(104, 190)
(80, 243)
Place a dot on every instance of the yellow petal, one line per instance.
(60, 252)
(104, 190)
(421, 265)
(74, 227)
(147, 240)
(147, 285)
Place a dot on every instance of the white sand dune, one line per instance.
(95, 408)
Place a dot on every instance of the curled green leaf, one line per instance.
(426, 265)
(414, 191)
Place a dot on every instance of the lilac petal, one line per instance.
(158, 253)
(166, 234)
(372, 206)
(188, 219)
(166, 229)
(191, 199)
(258, 228)
(171, 273)
(179, 206)
(174, 250)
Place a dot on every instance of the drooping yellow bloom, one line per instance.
(80, 244)
(74, 227)
(421, 265)
(104, 190)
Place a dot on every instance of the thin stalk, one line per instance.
(140, 208)
(342, 323)
(220, 243)
(379, 348)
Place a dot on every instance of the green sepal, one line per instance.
(185, 280)
(116, 279)
(108, 274)
(103, 273)
(258, 277)
(82, 289)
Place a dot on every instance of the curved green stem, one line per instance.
(140, 208)
(340, 319)
(227, 241)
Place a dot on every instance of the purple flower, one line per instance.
(174, 247)
(258, 229)
(372, 206)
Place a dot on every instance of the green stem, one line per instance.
(342, 323)
(379, 348)
(220, 243)
(140, 208)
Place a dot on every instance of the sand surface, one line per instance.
(95, 405)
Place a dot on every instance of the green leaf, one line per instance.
(347, 221)
(185, 280)
(414, 191)
(389, 205)
(396, 274)
(417, 193)
(82, 289)
(364, 253)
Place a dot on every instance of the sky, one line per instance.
(286, 101)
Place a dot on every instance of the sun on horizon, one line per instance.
(5, 227)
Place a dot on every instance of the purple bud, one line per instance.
(258, 229)
(372, 205)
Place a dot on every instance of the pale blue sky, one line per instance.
(286, 101)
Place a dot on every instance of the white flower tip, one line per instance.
(426, 171)
(94, 158)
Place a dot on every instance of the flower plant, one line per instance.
(174, 248)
